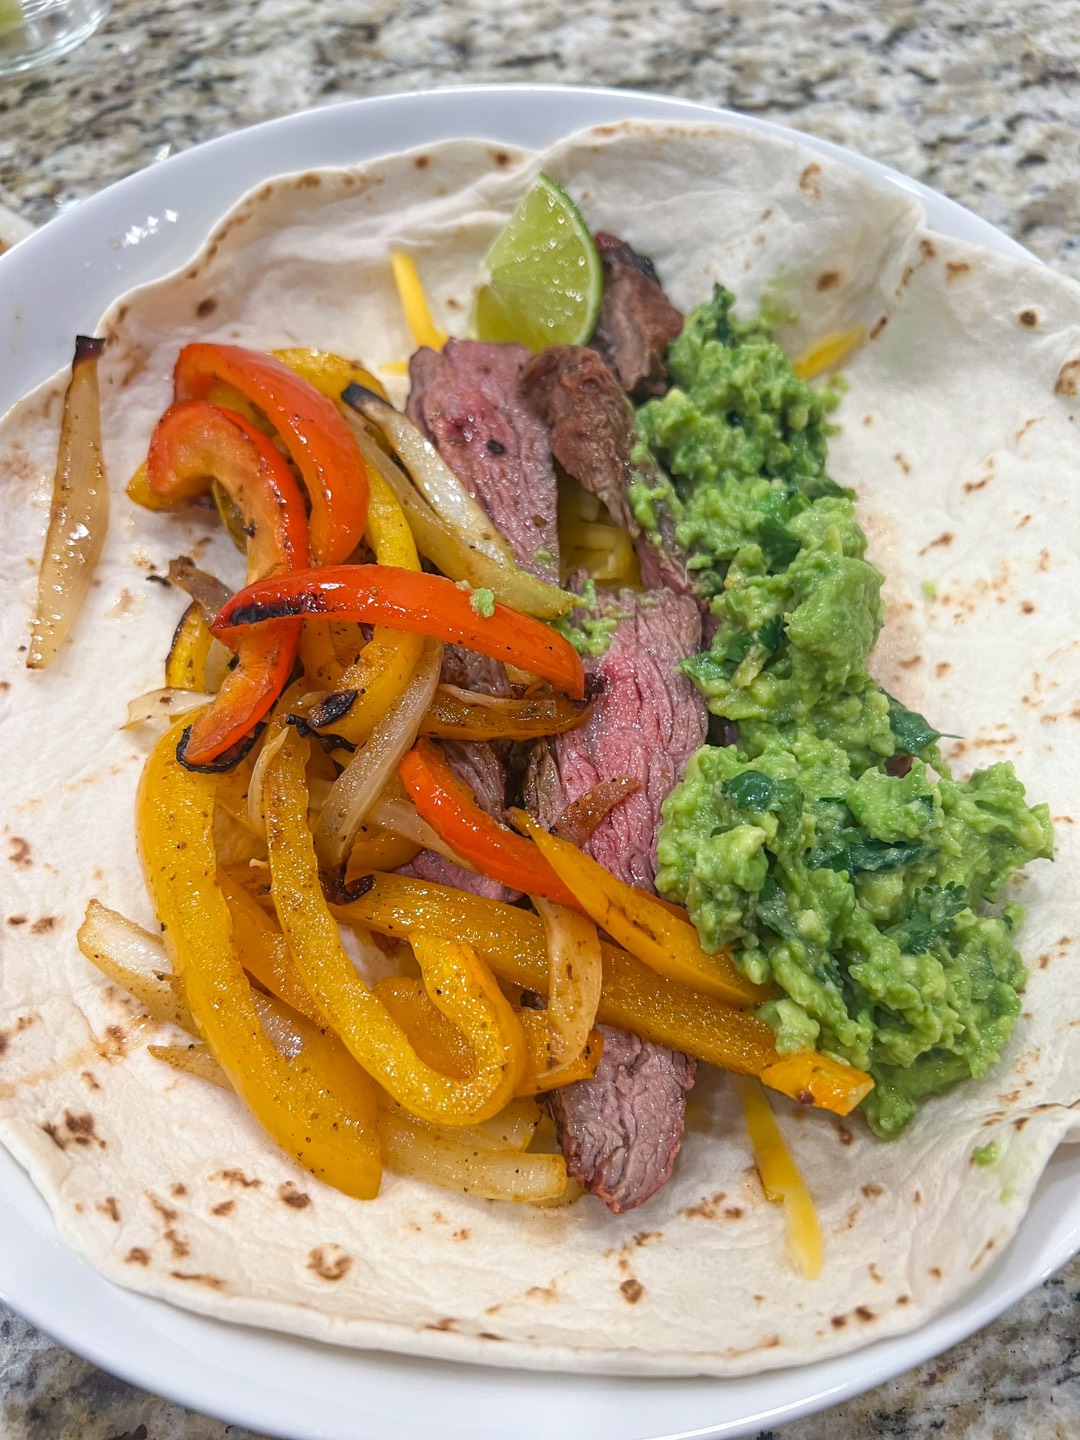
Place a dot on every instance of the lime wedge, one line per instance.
(545, 280)
(11, 15)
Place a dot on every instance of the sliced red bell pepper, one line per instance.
(317, 438)
(193, 444)
(410, 600)
(448, 806)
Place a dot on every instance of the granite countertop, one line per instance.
(980, 98)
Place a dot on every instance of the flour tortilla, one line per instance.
(959, 431)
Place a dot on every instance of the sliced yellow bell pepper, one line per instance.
(442, 1045)
(185, 664)
(632, 996)
(327, 372)
(457, 981)
(295, 1101)
(263, 950)
(640, 923)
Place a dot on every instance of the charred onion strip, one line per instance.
(79, 514)
(462, 715)
(409, 600)
(583, 816)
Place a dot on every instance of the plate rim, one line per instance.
(100, 215)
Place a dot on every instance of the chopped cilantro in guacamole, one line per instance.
(829, 846)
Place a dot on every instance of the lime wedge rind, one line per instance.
(545, 278)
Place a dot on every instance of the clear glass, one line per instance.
(33, 31)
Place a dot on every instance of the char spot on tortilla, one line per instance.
(706, 1208)
(810, 180)
(878, 326)
(44, 925)
(446, 1323)
(733, 1212)
(74, 1130)
(20, 851)
(927, 250)
(643, 1237)
(983, 1253)
(540, 1292)
(225, 1208)
(422, 162)
(828, 280)
(1023, 522)
(1027, 607)
(1068, 380)
(236, 1177)
(178, 1189)
(487, 1335)
(1029, 317)
(940, 542)
(89, 1080)
(18, 919)
(288, 1194)
(843, 1134)
(310, 181)
(632, 1290)
(109, 1207)
(875, 1274)
(329, 1262)
(166, 1212)
(863, 1313)
(935, 1272)
(177, 1244)
(839, 1321)
(954, 269)
(872, 1191)
(917, 1197)
(206, 307)
(462, 1234)
(198, 1277)
(137, 1256)
(903, 1300)
(970, 486)
(499, 158)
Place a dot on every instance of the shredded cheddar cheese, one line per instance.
(828, 352)
(780, 1178)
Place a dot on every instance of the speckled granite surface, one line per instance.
(980, 98)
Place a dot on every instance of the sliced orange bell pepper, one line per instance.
(193, 444)
(405, 600)
(640, 924)
(317, 438)
(448, 806)
(457, 981)
(632, 996)
(296, 1102)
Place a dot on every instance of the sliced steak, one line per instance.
(621, 1130)
(593, 437)
(646, 722)
(637, 321)
(482, 770)
(466, 400)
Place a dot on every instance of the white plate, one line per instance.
(60, 281)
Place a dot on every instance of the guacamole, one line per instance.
(829, 846)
